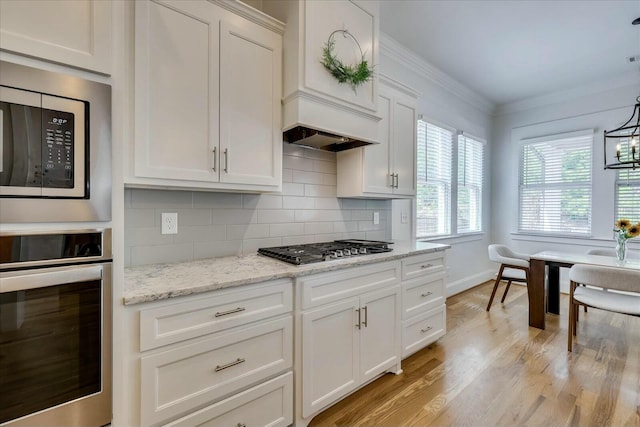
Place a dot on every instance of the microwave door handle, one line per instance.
(33, 279)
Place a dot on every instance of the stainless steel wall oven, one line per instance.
(55, 328)
(55, 147)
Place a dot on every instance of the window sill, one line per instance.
(588, 241)
(458, 238)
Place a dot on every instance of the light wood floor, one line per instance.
(491, 369)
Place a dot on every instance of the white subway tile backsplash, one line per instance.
(327, 203)
(261, 201)
(287, 229)
(232, 216)
(320, 190)
(217, 249)
(292, 189)
(298, 202)
(200, 233)
(139, 218)
(318, 228)
(247, 231)
(160, 199)
(268, 216)
(202, 199)
(223, 224)
(141, 255)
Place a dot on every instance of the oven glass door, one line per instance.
(50, 338)
(42, 145)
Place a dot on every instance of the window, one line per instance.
(433, 201)
(628, 195)
(555, 184)
(449, 199)
(470, 161)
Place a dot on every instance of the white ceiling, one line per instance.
(510, 50)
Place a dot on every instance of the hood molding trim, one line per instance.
(335, 105)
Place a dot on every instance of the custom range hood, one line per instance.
(317, 110)
(321, 140)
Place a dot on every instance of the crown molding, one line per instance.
(627, 79)
(393, 49)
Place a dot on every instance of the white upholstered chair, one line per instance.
(608, 279)
(514, 267)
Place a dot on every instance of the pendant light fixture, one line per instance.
(626, 139)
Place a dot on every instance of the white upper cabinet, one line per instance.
(70, 32)
(387, 169)
(207, 96)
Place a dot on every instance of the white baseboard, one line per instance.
(469, 282)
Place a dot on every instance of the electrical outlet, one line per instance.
(169, 223)
(376, 218)
(404, 217)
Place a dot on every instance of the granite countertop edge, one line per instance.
(164, 281)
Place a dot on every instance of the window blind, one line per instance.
(555, 184)
(628, 195)
(433, 201)
(470, 164)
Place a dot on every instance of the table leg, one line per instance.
(535, 288)
(553, 295)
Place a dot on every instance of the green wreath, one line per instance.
(355, 75)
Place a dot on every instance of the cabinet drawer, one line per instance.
(222, 310)
(422, 330)
(420, 265)
(177, 381)
(323, 288)
(269, 404)
(422, 294)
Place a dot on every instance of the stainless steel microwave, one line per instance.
(55, 147)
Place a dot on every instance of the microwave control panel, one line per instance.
(57, 156)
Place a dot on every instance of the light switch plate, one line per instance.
(169, 223)
(376, 218)
(404, 217)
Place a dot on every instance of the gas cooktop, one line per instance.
(325, 251)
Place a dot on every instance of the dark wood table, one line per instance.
(543, 300)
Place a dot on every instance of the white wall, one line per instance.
(563, 112)
(450, 103)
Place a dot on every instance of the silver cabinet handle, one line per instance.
(366, 316)
(359, 319)
(215, 155)
(226, 313)
(426, 295)
(426, 265)
(230, 364)
(397, 180)
(241, 425)
(393, 179)
(426, 330)
(226, 160)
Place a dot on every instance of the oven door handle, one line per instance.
(40, 278)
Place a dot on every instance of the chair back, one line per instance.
(504, 255)
(622, 279)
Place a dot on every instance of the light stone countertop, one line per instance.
(162, 281)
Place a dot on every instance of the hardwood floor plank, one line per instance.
(492, 369)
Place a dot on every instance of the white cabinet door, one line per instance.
(377, 175)
(176, 90)
(404, 146)
(72, 32)
(379, 334)
(330, 355)
(250, 91)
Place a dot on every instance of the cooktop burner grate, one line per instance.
(325, 251)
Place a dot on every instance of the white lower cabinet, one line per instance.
(346, 344)
(213, 359)
(423, 301)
